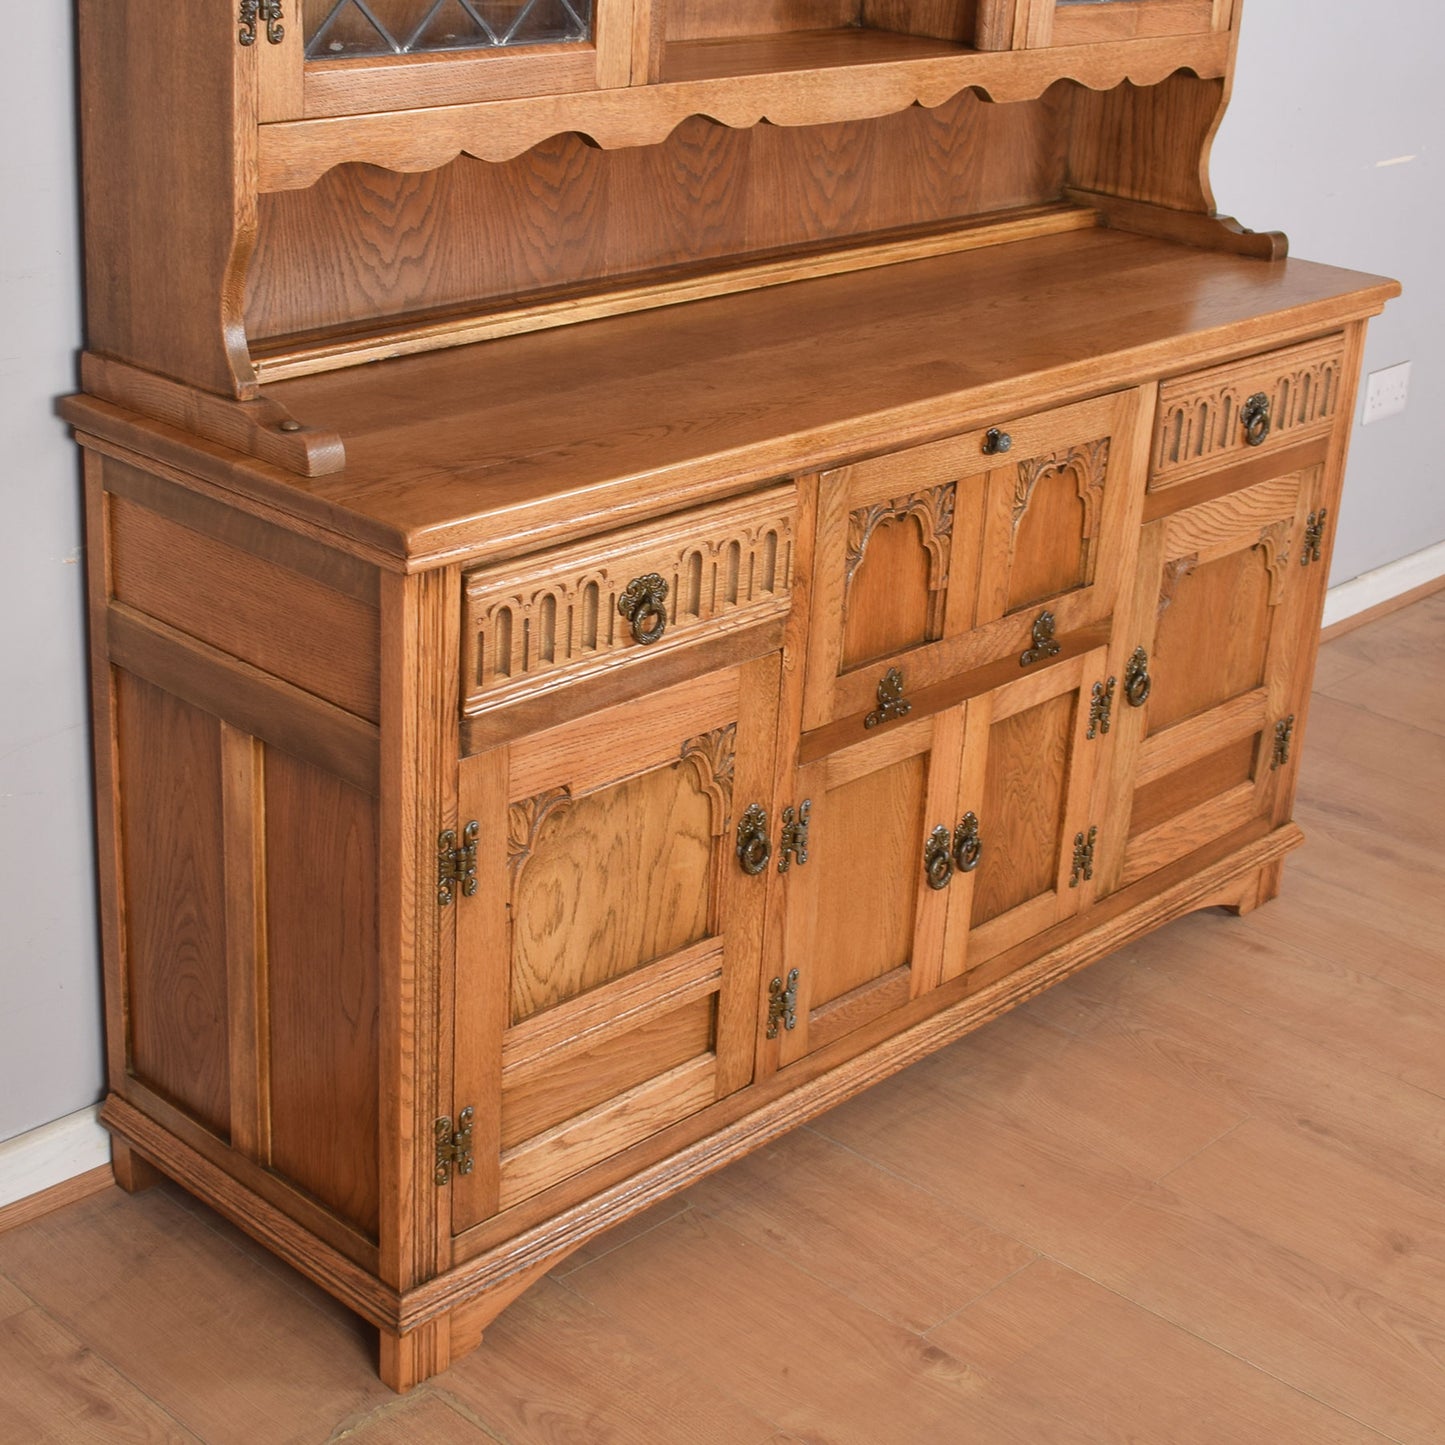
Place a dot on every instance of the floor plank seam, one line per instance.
(1203, 1148)
(459, 1407)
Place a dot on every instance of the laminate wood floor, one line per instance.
(1195, 1194)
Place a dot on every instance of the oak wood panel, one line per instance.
(887, 607)
(240, 694)
(365, 243)
(1221, 771)
(173, 890)
(587, 1077)
(946, 19)
(1079, 24)
(323, 985)
(267, 615)
(697, 19)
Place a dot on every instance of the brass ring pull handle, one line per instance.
(754, 849)
(1255, 416)
(996, 442)
(967, 845)
(643, 604)
(937, 859)
(1137, 682)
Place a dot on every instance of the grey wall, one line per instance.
(1323, 94)
(50, 1062)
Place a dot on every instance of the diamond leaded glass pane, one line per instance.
(337, 29)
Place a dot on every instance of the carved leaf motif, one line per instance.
(1089, 462)
(932, 507)
(712, 756)
(1275, 541)
(1175, 570)
(524, 818)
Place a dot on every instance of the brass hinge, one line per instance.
(783, 1004)
(453, 1150)
(1101, 708)
(1044, 643)
(1283, 737)
(1083, 857)
(1314, 536)
(793, 840)
(891, 702)
(267, 11)
(457, 864)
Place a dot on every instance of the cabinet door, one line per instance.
(1031, 761)
(606, 970)
(864, 926)
(350, 57)
(1207, 698)
(941, 559)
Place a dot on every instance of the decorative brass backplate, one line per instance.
(783, 1004)
(457, 864)
(1255, 416)
(1314, 536)
(1083, 858)
(1101, 708)
(1137, 682)
(967, 844)
(754, 849)
(793, 840)
(644, 605)
(938, 858)
(453, 1151)
(268, 11)
(1283, 737)
(891, 702)
(1044, 644)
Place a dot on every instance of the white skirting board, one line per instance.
(33, 1162)
(76, 1144)
(1384, 584)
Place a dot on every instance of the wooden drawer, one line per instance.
(1205, 419)
(553, 619)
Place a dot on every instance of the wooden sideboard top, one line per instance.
(501, 447)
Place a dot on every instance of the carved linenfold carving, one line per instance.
(1275, 541)
(712, 756)
(525, 817)
(1204, 415)
(565, 615)
(933, 509)
(1175, 571)
(1089, 462)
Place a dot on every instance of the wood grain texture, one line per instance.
(321, 946)
(169, 757)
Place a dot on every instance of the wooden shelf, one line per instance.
(810, 79)
(796, 50)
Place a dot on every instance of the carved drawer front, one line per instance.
(968, 552)
(1205, 726)
(618, 600)
(607, 961)
(1213, 417)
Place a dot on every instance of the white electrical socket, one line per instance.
(1386, 392)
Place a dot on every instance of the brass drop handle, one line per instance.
(754, 849)
(967, 844)
(996, 442)
(643, 604)
(938, 859)
(1255, 416)
(1137, 682)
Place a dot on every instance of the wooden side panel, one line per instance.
(287, 624)
(1146, 143)
(164, 280)
(893, 594)
(321, 942)
(363, 242)
(169, 759)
